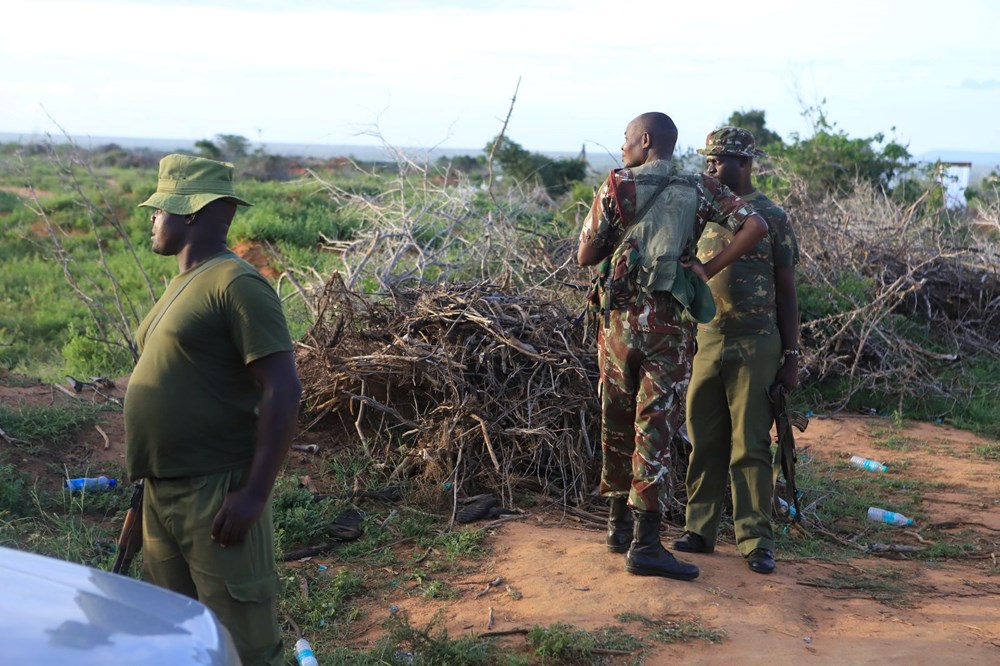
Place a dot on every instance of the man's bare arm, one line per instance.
(279, 408)
(593, 248)
(746, 237)
(787, 304)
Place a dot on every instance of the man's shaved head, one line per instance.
(662, 130)
(648, 137)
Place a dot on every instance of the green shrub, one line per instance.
(8, 201)
(88, 356)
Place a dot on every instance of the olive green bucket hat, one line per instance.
(187, 184)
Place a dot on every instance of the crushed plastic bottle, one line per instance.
(89, 484)
(790, 510)
(890, 517)
(868, 464)
(304, 654)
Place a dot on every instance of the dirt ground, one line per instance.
(555, 569)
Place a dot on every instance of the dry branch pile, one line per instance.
(893, 299)
(471, 387)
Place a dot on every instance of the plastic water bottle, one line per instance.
(868, 464)
(890, 517)
(89, 484)
(304, 654)
(789, 509)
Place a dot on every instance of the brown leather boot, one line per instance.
(648, 557)
(620, 525)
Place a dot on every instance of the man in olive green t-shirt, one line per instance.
(210, 410)
(751, 344)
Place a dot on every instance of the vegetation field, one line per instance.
(900, 306)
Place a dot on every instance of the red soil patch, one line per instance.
(255, 254)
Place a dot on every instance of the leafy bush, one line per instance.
(556, 176)
(87, 355)
(8, 201)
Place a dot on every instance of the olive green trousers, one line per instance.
(729, 423)
(239, 583)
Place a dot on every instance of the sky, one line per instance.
(443, 73)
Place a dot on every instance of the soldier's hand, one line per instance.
(788, 374)
(239, 512)
(695, 266)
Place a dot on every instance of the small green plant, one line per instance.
(616, 638)
(889, 435)
(15, 499)
(989, 451)
(86, 355)
(431, 645)
(298, 519)
(673, 631)
(561, 642)
(462, 544)
(331, 606)
(883, 584)
(437, 589)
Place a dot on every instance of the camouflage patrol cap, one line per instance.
(730, 141)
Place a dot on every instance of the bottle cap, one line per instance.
(111, 483)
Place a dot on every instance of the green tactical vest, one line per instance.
(667, 230)
(647, 259)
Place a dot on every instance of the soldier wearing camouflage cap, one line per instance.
(641, 232)
(751, 344)
(732, 141)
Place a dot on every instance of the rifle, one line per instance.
(785, 457)
(130, 540)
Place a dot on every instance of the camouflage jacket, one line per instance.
(744, 292)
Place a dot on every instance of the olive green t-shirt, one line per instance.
(191, 403)
(744, 291)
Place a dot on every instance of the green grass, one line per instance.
(837, 497)
(673, 630)
(46, 332)
(332, 606)
(888, 433)
(883, 584)
(41, 517)
(35, 425)
(298, 520)
(561, 642)
(989, 451)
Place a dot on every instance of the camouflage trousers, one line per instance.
(645, 360)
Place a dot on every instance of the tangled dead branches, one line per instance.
(889, 298)
(471, 387)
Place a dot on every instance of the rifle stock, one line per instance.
(130, 539)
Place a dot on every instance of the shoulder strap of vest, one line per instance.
(663, 182)
(177, 292)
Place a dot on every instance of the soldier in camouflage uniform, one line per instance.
(751, 344)
(643, 228)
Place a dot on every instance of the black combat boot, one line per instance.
(620, 525)
(648, 557)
